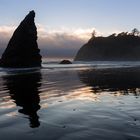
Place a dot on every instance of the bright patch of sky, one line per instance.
(104, 15)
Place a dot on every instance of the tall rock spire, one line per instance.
(22, 49)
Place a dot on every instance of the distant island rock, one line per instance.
(122, 47)
(22, 49)
(65, 62)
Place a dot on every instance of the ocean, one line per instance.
(97, 100)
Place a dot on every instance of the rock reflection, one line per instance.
(123, 80)
(23, 89)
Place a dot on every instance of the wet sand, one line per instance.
(65, 104)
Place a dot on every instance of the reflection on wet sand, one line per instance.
(123, 80)
(74, 110)
(23, 89)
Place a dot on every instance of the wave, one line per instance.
(77, 65)
(92, 64)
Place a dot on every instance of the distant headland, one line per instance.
(22, 50)
(116, 47)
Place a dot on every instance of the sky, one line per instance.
(65, 25)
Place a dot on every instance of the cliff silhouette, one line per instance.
(22, 49)
(121, 47)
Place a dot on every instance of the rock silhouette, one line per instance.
(121, 47)
(22, 49)
(65, 62)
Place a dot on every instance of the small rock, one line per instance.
(65, 62)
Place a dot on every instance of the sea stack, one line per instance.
(65, 62)
(22, 50)
(116, 47)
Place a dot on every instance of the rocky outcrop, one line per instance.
(121, 47)
(65, 62)
(22, 49)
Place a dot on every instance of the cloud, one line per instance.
(62, 37)
(53, 41)
(6, 32)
